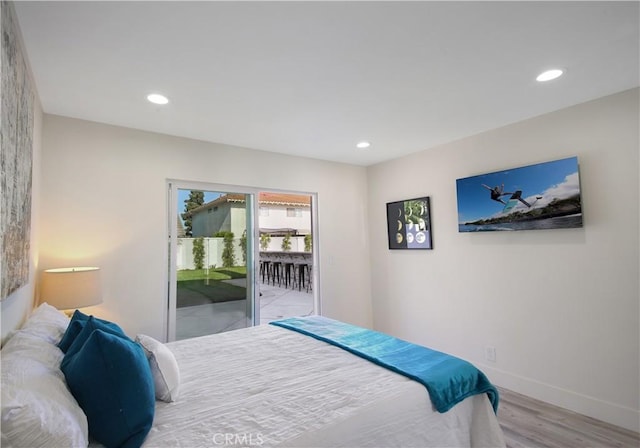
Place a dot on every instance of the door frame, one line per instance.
(253, 247)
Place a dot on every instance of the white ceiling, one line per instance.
(314, 78)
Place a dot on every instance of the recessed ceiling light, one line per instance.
(549, 75)
(363, 145)
(156, 98)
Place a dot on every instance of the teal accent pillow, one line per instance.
(86, 327)
(77, 323)
(110, 378)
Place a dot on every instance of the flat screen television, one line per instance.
(541, 196)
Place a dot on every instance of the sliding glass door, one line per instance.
(211, 262)
(238, 256)
(286, 255)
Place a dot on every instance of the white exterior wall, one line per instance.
(275, 245)
(232, 216)
(278, 219)
(213, 248)
(208, 223)
(238, 219)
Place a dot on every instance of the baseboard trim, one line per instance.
(590, 406)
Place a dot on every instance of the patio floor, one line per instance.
(275, 303)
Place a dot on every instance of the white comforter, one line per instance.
(268, 386)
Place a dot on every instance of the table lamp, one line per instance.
(71, 288)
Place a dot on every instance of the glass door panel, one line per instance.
(211, 282)
(286, 255)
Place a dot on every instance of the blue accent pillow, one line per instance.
(110, 377)
(77, 323)
(86, 327)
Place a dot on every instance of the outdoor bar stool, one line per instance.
(309, 271)
(275, 272)
(289, 271)
(265, 266)
(299, 275)
(296, 276)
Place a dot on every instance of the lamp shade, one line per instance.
(69, 288)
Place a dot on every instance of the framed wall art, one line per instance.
(409, 224)
(16, 158)
(541, 196)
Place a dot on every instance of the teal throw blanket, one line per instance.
(448, 379)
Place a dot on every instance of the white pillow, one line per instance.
(164, 367)
(47, 323)
(37, 408)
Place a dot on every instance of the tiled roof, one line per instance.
(285, 199)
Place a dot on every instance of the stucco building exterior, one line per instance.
(279, 214)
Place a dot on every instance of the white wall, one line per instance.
(104, 203)
(560, 306)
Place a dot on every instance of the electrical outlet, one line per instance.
(490, 353)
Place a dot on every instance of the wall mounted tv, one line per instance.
(541, 196)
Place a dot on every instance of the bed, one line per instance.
(260, 386)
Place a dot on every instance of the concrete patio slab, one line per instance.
(275, 303)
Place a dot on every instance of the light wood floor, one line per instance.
(533, 424)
